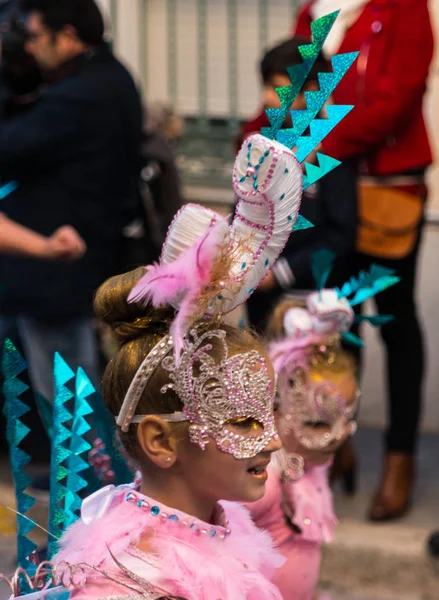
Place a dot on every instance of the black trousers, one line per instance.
(403, 341)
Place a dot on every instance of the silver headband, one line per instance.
(140, 381)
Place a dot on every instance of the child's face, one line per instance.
(323, 416)
(271, 99)
(214, 474)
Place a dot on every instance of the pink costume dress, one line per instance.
(299, 541)
(228, 559)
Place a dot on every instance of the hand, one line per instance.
(268, 283)
(66, 244)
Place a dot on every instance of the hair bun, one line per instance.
(129, 320)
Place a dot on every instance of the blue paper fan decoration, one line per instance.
(68, 444)
(358, 289)
(14, 409)
(368, 284)
(309, 118)
(298, 74)
(302, 223)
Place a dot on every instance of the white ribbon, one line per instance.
(96, 505)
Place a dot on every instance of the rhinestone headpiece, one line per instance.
(304, 402)
(228, 399)
(140, 381)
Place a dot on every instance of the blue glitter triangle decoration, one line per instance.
(286, 96)
(78, 446)
(353, 339)
(362, 287)
(298, 74)
(319, 129)
(310, 52)
(375, 320)
(14, 408)
(287, 137)
(325, 80)
(314, 172)
(315, 100)
(368, 284)
(302, 223)
(269, 132)
(276, 116)
(320, 29)
(61, 434)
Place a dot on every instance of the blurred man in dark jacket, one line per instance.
(73, 154)
(5, 8)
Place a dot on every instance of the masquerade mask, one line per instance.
(316, 413)
(229, 399)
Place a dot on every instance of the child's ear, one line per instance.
(157, 441)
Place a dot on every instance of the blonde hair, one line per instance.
(137, 330)
(327, 357)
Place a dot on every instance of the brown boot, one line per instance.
(344, 468)
(393, 499)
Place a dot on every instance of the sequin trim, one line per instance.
(167, 517)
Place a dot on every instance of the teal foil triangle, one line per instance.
(302, 223)
(13, 365)
(299, 73)
(314, 173)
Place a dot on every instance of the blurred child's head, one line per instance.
(317, 393)
(274, 72)
(163, 447)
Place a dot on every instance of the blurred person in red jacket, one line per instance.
(386, 135)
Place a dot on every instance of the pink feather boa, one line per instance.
(195, 567)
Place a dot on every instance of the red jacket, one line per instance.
(386, 85)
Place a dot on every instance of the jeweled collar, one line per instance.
(157, 514)
(164, 516)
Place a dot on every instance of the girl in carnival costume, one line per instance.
(192, 396)
(317, 404)
(193, 400)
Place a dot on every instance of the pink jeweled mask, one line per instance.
(228, 399)
(316, 413)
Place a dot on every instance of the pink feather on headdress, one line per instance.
(181, 281)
